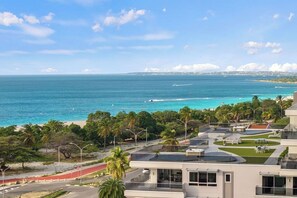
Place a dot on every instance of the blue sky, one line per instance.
(109, 36)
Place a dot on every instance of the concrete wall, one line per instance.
(245, 177)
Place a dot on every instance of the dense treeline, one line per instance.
(103, 129)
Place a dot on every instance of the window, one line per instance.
(202, 179)
(193, 179)
(274, 185)
(212, 179)
(228, 178)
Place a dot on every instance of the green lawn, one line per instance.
(248, 143)
(250, 155)
(259, 136)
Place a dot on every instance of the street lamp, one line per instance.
(81, 152)
(3, 178)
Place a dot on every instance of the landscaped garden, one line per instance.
(250, 154)
(248, 143)
(266, 136)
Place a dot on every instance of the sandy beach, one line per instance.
(81, 123)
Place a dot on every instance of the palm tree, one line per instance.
(28, 134)
(104, 129)
(185, 115)
(112, 188)
(131, 125)
(116, 130)
(169, 137)
(117, 163)
(279, 101)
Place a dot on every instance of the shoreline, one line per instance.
(80, 123)
(273, 81)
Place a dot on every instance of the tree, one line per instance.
(104, 129)
(112, 188)
(279, 101)
(169, 139)
(185, 115)
(117, 163)
(256, 106)
(224, 113)
(117, 129)
(31, 135)
(131, 120)
(63, 139)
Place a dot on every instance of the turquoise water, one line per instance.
(37, 99)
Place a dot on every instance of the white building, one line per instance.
(216, 174)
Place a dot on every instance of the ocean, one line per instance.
(37, 99)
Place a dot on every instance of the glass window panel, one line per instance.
(280, 181)
(203, 177)
(212, 177)
(193, 177)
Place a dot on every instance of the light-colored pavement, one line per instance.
(273, 159)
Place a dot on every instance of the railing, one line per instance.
(276, 191)
(171, 187)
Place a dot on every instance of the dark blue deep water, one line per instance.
(37, 99)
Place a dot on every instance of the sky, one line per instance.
(122, 36)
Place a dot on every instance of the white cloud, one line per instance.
(124, 17)
(148, 37)
(252, 67)
(283, 67)
(40, 42)
(196, 68)
(49, 17)
(277, 51)
(31, 19)
(275, 16)
(66, 51)
(291, 15)
(37, 31)
(97, 27)
(253, 47)
(230, 68)
(186, 47)
(49, 70)
(152, 69)
(164, 10)
(87, 71)
(13, 52)
(205, 18)
(8, 18)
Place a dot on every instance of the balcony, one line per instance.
(154, 190)
(276, 191)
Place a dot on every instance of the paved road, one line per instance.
(68, 175)
(75, 191)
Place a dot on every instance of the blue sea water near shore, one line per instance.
(37, 99)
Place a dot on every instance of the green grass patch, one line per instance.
(55, 194)
(259, 136)
(250, 155)
(248, 143)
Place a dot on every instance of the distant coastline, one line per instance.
(289, 80)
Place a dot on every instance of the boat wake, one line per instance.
(281, 87)
(177, 99)
(181, 85)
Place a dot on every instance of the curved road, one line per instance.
(68, 175)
